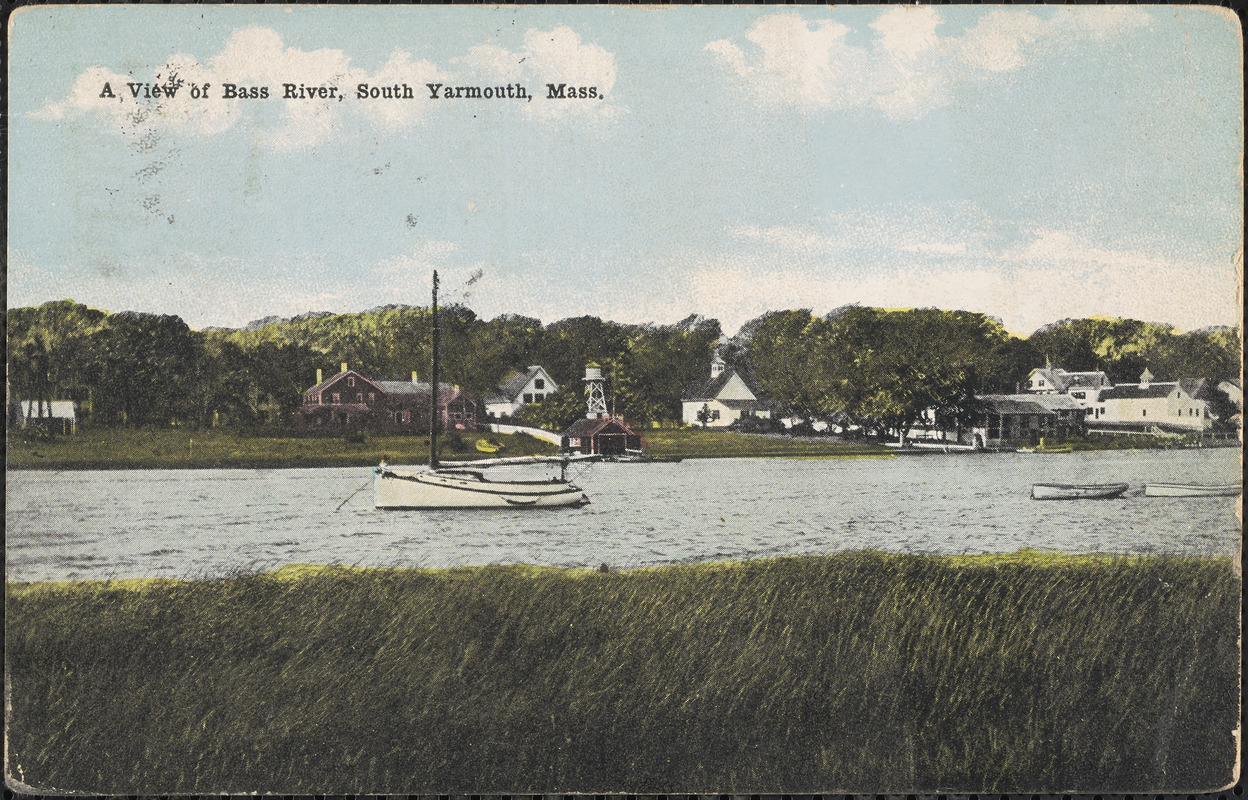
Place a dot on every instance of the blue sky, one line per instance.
(1032, 163)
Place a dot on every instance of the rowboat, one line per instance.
(463, 485)
(1191, 489)
(1075, 491)
(489, 446)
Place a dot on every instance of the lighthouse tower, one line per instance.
(596, 396)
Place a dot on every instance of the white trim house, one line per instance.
(530, 386)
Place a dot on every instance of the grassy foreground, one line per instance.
(852, 672)
(180, 448)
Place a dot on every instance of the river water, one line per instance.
(78, 525)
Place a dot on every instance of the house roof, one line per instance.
(511, 388)
(1016, 404)
(585, 428)
(1061, 380)
(708, 388)
(1195, 387)
(445, 390)
(1056, 402)
(333, 378)
(1134, 391)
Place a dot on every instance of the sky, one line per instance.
(1031, 163)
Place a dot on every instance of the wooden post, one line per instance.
(433, 410)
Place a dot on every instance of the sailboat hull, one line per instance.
(395, 488)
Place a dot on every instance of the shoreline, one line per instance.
(1028, 557)
(114, 449)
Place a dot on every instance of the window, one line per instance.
(537, 398)
(539, 384)
(1144, 412)
(372, 396)
(350, 381)
(407, 416)
(1079, 395)
(359, 397)
(336, 398)
(715, 414)
(528, 397)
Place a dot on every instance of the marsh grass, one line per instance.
(851, 672)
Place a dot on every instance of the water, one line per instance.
(197, 523)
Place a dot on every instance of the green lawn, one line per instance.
(851, 672)
(122, 448)
(703, 443)
(119, 448)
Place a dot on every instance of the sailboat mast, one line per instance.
(433, 409)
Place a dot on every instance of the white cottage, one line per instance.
(59, 414)
(531, 386)
(1083, 387)
(724, 395)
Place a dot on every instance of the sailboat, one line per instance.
(463, 485)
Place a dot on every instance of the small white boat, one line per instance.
(461, 488)
(1076, 491)
(1191, 489)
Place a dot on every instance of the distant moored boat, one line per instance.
(1076, 491)
(1191, 489)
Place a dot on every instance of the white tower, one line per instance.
(596, 396)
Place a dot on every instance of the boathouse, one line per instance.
(600, 433)
(606, 436)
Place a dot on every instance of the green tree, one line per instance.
(556, 411)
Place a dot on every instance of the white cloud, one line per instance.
(557, 56)
(907, 69)
(917, 260)
(258, 57)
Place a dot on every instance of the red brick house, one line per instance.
(352, 402)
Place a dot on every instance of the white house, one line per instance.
(726, 397)
(63, 414)
(1172, 406)
(1083, 387)
(531, 386)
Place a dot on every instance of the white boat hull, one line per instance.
(1191, 490)
(397, 488)
(1065, 491)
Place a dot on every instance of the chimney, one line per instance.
(413, 377)
(319, 377)
(344, 366)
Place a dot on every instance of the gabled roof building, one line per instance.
(1179, 406)
(530, 386)
(721, 399)
(352, 401)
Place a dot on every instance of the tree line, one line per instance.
(878, 367)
